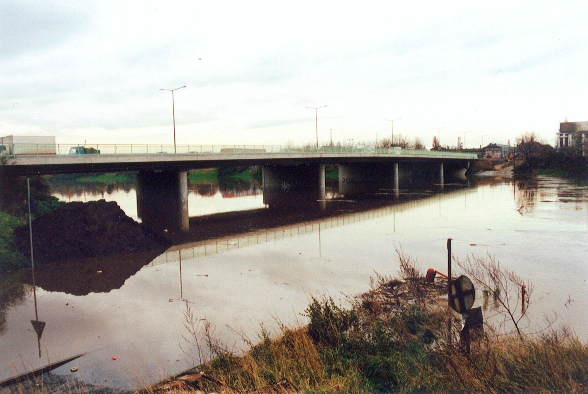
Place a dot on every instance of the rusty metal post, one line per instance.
(448, 270)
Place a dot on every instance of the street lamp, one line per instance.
(485, 135)
(464, 134)
(316, 120)
(438, 134)
(392, 138)
(174, 113)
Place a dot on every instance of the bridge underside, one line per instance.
(162, 196)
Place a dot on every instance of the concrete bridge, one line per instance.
(291, 175)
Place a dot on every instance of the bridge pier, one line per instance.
(396, 181)
(162, 200)
(293, 186)
(441, 177)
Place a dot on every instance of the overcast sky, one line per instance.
(486, 71)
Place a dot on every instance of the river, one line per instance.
(136, 333)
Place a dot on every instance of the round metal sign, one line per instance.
(462, 295)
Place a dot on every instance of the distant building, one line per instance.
(573, 134)
(497, 151)
(479, 152)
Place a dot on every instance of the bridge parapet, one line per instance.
(169, 149)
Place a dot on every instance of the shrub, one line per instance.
(328, 322)
(10, 258)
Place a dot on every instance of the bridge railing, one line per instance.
(28, 149)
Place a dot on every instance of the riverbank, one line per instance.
(397, 337)
(393, 337)
(494, 168)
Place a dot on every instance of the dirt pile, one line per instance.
(484, 165)
(81, 230)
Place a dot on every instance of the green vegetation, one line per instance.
(108, 178)
(208, 175)
(239, 172)
(10, 258)
(213, 175)
(14, 211)
(105, 178)
(397, 337)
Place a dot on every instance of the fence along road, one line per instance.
(136, 157)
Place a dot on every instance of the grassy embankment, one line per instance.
(397, 337)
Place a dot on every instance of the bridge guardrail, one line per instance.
(154, 149)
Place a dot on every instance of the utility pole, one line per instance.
(464, 133)
(316, 120)
(392, 136)
(174, 113)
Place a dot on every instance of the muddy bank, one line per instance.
(85, 230)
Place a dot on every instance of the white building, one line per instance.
(573, 134)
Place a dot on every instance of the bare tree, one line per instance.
(436, 144)
(402, 141)
(527, 145)
(418, 144)
(508, 290)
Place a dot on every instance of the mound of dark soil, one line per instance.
(484, 165)
(81, 230)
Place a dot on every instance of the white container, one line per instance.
(12, 145)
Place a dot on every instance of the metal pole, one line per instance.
(392, 136)
(316, 120)
(449, 270)
(174, 113)
(31, 241)
(174, 120)
(316, 124)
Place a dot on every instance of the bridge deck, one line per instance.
(115, 158)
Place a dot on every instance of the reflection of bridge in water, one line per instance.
(191, 250)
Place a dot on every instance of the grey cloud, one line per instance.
(28, 26)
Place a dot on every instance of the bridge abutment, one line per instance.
(162, 200)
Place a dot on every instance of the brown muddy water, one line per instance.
(134, 333)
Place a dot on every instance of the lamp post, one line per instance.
(392, 137)
(316, 120)
(438, 134)
(464, 134)
(174, 113)
(485, 135)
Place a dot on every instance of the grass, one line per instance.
(397, 337)
(107, 178)
(103, 178)
(208, 174)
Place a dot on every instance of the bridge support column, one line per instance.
(322, 187)
(293, 186)
(396, 181)
(441, 177)
(162, 200)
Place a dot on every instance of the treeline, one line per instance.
(533, 156)
(14, 212)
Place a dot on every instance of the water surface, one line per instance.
(537, 228)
